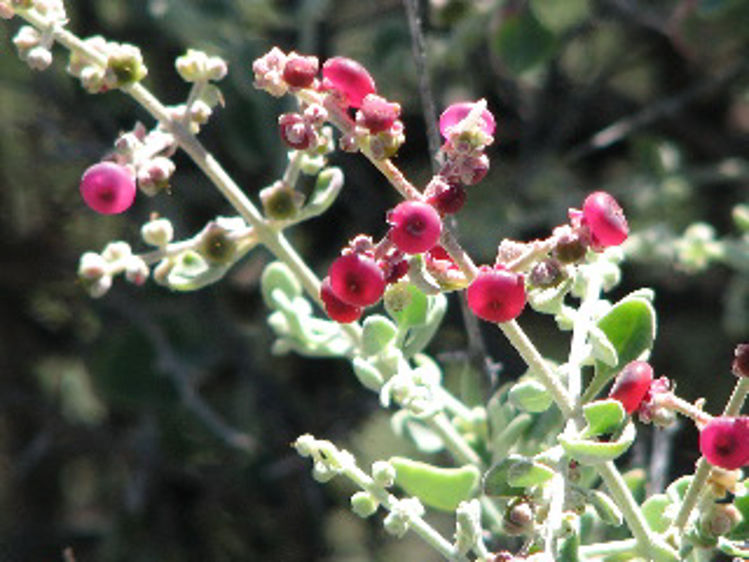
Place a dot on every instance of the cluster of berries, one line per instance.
(358, 278)
(724, 440)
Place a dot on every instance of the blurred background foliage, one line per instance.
(154, 426)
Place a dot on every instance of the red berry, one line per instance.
(632, 385)
(455, 113)
(496, 295)
(415, 227)
(605, 220)
(447, 198)
(299, 72)
(295, 131)
(724, 442)
(349, 78)
(740, 366)
(108, 188)
(357, 280)
(335, 307)
(377, 114)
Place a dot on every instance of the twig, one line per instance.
(618, 131)
(182, 376)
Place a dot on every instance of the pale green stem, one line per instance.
(538, 365)
(273, 240)
(611, 548)
(631, 511)
(427, 533)
(291, 175)
(701, 474)
(453, 404)
(583, 322)
(453, 440)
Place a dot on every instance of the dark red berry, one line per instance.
(447, 198)
(496, 295)
(724, 442)
(295, 131)
(605, 219)
(632, 384)
(570, 248)
(740, 365)
(335, 307)
(349, 78)
(415, 227)
(377, 114)
(394, 271)
(357, 280)
(299, 72)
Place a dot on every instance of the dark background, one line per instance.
(99, 450)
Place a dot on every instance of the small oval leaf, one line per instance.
(439, 488)
(597, 452)
(531, 396)
(654, 510)
(603, 416)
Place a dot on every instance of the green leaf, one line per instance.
(636, 480)
(420, 335)
(406, 304)
(560, 15)
(522, 43)
(531, 396)
(496, 478)
(603, 350)
(741, 531)
(413, 429)
(327, 187)
(678, 488)
(377, 333)
(191, 272)
(526, 472)
(603, 416)
(503, 440)
(606, 508)
(277, 275)
(596, 452)
(439, 488)
(732, 548)
(368, 374)
(630, 326)
(654, 510)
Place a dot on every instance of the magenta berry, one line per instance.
(724, 442)
(357, 280)
(415, 226)
(335, 307)
(300, 72)
(632, 385)
(377, 114)
(295, 131)
(605, 220)
(455, 113)
(349, 78)
(496, 295)
(108, 188)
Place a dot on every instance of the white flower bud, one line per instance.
(200, 112)
(158, 232)
(100, 287)
(136, 270)
(305, 445)
(26, 38)
(115, 251)
(92, 266)
(364, 504)
(160, 169)
(383, 473)
(39, 58)
(92, 79)
(216, 69)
